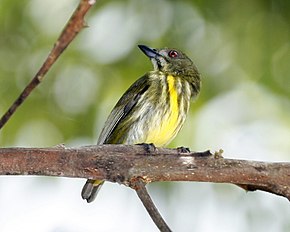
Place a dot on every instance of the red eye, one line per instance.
(172, 53)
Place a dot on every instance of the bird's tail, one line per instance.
(91, 189)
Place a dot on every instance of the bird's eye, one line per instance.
(172, 53)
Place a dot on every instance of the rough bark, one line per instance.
(124, 164)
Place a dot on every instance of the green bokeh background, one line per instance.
(242, 50)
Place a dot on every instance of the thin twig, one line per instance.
(142, 193)
(73, 27)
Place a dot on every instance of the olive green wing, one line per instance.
(123, 107)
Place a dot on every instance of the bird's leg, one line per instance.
(148, 147)
(183, 150)
(203, 153)
(186, 150)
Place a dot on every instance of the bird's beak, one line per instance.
(150, 52)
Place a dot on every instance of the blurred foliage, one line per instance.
(230, 42)
(241, 48)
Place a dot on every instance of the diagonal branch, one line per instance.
(73, 27)
(144, 196)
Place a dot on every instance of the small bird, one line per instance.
(154, 108)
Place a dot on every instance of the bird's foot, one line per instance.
(183, 150)
(148, 147)
(203, 153)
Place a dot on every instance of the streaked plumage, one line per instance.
(154, 108)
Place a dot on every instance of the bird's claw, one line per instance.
(148, 147)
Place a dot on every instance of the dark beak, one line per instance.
(150, 52)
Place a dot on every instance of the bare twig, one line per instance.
(142, 193)
(73, 27)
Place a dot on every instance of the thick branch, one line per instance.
(73, 27)
(123, 164)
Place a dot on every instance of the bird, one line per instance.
(154, 108)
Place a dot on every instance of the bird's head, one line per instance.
(171, 61)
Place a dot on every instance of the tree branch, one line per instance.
(142, 193)
(73, 27)
(133, 166)
(123, 164)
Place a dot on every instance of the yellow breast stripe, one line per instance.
(167, 128)
(173, 102)
(173, 96)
